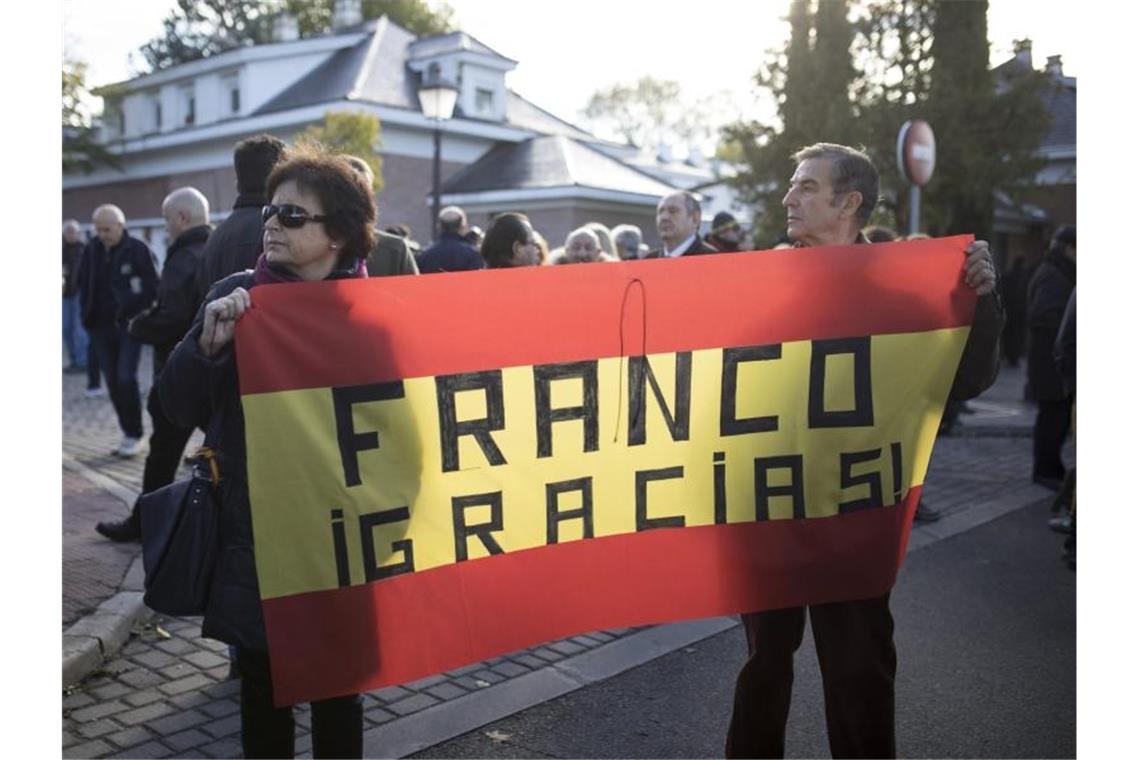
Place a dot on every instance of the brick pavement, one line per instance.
(165, 692)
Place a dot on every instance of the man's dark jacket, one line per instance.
(129, 270)
(451, 253)
(72, 256)
(166, 320)
(1049, 292)
(698, 248)
(236, 243)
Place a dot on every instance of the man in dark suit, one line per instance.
(236, 243)
(679, 226)
(451, 253)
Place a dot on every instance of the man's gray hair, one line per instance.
(851, 171)
(190, 201)
(627, 239)
(452, 219)
(71, 225)
(110, 209)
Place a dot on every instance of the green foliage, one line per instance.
(200, 28)
(856, 78)
(355, 134)
(987, 136)
(812, 81)
(81, 149)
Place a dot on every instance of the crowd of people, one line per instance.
(303, 215)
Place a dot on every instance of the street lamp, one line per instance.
(437, 101)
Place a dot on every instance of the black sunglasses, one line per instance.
(291, 216)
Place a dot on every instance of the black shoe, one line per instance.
(120, 532)
(925, 514)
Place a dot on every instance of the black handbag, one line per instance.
(180, 540)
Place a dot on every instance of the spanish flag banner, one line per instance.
(449, 467)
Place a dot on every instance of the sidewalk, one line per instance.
(165, 693)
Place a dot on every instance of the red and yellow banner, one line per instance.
(449, 467)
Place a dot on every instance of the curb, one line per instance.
(429, 727)
(98, 636)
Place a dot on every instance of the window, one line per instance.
(187, 95)
(156, 110)
(484, 100)
(231, 95)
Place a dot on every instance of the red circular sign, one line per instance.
(916, 152)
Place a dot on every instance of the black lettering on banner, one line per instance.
(372, 572)
(794, 464)
(642, 479)
(863, 415)
(340, 549)
(545, 417)
(450, 428)
(896, 470)
(585, 513)
(874, 481)
(641, 371)
(482, 531)
(731, 359)
(720, 502)
(349, 441)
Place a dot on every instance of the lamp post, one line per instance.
(437, 101)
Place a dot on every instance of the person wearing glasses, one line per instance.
(319, 226)
(510, 242)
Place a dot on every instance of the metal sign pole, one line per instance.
(915, 205)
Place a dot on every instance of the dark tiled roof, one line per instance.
(452, 42)
(1061, 100)
(551, 161)
(331, 80)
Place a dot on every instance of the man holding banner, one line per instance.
(833, 192)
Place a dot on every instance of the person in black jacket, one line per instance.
(1049, 292)
(832, 194)
(117, 282)
(74, 336)
(679, 226)
(451, 253)
(186, 212)
(235, 245)
(320, 226)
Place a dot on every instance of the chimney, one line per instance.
(346, 13)
(696, 158)
(1023, 51)
(1053, 66)
(664, 152)
(285, 28)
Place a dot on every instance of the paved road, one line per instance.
(986, 635)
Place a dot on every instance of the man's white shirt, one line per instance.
(684, 246)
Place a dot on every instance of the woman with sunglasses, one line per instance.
(510, 242)
(318, 227)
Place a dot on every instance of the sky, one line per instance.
(716, 49)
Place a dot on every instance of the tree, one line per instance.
(81, 148)
(811, 82)
(355, 134)
(641, 113)
(857, 83)
(987, 139)
(199, 28)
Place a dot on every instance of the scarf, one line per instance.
(265, 273)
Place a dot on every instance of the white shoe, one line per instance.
(130, 447)
(99, 392)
